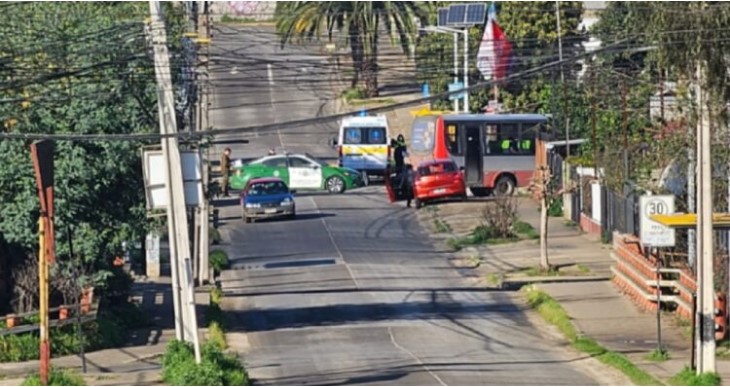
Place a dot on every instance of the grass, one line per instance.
(57, 377)
(441, 226)
(352, 93)
(475, 260)
(525, 230)
(537, 271)
(658, 355)
(583, 268)
(494, 279)
(688, 377)
(570, 223)
(723, 348)
(553, 313)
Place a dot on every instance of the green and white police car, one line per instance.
(298, 171)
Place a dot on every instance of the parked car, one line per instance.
(438, 179)
(298, 171)
(265, 198)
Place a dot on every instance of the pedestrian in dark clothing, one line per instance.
(225, 169)
(399, 153)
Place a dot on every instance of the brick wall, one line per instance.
(589, 225)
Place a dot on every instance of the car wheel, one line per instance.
(246, 219)
(505, 186)
(293, 215)
(418, 203)
(335, 185)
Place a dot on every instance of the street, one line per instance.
(352, 291)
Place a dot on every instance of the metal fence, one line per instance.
(619, 210)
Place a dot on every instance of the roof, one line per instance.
(498, 118)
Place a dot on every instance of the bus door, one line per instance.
(473, 154)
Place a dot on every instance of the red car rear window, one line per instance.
(435, 169)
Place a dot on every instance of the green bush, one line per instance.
(218, 260)
(354, 93)
(216, 295)
(216, 368)
(556, 208)
(57, 377)
(526, 229)
(688, 377)
(216, 335)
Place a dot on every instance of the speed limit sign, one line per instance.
(652, 233)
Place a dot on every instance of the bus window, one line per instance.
(527, 139)
(452, 140)
(353, 136)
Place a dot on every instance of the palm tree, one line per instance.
(359, 21)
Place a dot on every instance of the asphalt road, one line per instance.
(352, 291)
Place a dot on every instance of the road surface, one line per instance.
(352, 291)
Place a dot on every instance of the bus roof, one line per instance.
(497, 118)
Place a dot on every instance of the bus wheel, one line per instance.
(480, 192)
(505, 186)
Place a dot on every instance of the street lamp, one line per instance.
(455, 33)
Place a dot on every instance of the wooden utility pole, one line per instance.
(180, 261)
(705, 245)
(203, 78)
(42, 154)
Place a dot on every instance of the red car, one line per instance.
(438, 179)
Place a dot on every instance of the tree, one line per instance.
(358, 22)
(77, 68)
(531, 28)
(545, 187)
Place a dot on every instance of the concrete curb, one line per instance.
(519, 282)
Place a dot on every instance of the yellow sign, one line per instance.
(719, 220)
(425, 111)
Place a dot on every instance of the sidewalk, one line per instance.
(597, 308)
(137, 363)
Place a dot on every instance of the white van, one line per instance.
(363, 144)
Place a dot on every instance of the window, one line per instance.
(509, 139)
(452, 139)
(376, 136)
(353, 136)
(298, 162)
(267, 188)
(276, 162)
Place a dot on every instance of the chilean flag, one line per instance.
(495, 53)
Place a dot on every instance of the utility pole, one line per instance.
(705, 283)
(201, 115)
(466, 70)
(186, 325)
(456, 69)
(566, 120)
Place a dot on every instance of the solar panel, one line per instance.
(475, 13)
(456, 14)
(443, 15)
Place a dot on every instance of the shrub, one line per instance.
(556, 208)
(216, 368)
(526, 229)
(354, 93)
(500, 215)
(218, 260)
(216, 296)
(216, 335)
(57, 377)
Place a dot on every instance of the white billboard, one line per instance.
(155, 178)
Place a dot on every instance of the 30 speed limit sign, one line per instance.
(652, 233)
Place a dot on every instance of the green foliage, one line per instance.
(237, 20)
(441, 225)
(78, 68)
(688, 377)
(556, 208)
(109, 330)
(216, 369)
(553, 313)
(354, 93)
(57, 377)
(658, 355)
(218, 260)
(525, 229)
(216, 335)
(216, 296)
(530, 26)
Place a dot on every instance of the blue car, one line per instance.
(267, 198)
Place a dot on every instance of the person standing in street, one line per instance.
(225, 170)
